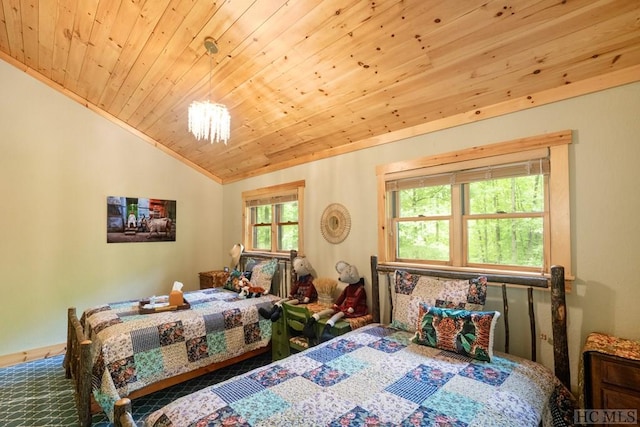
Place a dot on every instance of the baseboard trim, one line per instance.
(33, 354)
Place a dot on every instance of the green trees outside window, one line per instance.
(272, 218)
(285, 226)
(501, 207)
(502, 219)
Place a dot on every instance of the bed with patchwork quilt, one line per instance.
(126, 349)
(376, 375)
(133, 350)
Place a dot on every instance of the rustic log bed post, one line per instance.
(559, 326)
(293, 275)
(375, 290)
(505, 309)
(532, 324)
(122, 413)
(77, 363)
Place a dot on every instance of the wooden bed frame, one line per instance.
(556, 285)
(78, 360)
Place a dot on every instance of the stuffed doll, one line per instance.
(302, 291)
(249, 291)
(352, 302)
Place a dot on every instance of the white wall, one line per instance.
(604, 204)
(58, 163)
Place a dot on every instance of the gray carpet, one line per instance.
(37, 394)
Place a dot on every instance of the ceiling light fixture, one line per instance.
(206, 119)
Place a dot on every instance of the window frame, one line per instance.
(556, 216)
(272, 195)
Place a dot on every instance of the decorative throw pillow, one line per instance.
(233, 282)
(465, 332)
(250, 263)
(262, 274)
(413, 289)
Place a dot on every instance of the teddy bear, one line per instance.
(352, 302)
(302, 291)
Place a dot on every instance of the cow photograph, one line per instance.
(136, 219)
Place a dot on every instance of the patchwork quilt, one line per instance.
(132, 350)
(376, 376)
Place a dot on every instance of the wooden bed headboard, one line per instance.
(556, 285)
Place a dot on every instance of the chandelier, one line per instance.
(206, 119)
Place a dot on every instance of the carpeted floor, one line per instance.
(36, 394)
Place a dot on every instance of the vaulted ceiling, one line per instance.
(308, 79)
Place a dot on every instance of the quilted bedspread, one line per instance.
(376, 376)
(133, 350)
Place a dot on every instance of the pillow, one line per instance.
(413, 289)
(262, 274)
(233, 282)
(250, 263)
(465, 332)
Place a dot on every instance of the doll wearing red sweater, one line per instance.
(352, 302)
(302, 291)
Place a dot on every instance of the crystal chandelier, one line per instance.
(206, 119)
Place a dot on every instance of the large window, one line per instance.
(500, 207)
(273, 218)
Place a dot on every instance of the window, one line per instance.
(501, 207)
(272, 219)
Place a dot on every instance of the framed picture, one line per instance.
(136, 219)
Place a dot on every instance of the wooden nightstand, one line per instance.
(611, 373)
(213, 279)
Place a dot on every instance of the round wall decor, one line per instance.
(335, 223)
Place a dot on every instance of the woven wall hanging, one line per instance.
(335, 223)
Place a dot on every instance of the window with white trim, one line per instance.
(500, 207)
(272, 218)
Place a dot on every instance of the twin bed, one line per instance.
(113, 350)
(432, 365)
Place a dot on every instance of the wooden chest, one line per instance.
(612, 382)
(213, 279)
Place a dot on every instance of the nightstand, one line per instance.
(213, 279)
(611, 372)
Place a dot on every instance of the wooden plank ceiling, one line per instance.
(307, 79)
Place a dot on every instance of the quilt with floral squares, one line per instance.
(132, 350)
(376, 376)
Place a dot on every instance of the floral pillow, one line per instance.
(262, 274)
(465, 332)
(413, 289)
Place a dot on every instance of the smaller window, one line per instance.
(272, 218)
